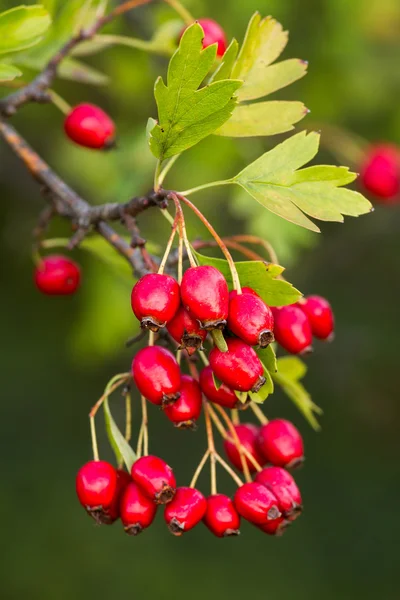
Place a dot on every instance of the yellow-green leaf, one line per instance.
(9, 72)
(22, 27)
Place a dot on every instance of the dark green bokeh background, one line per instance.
(57, 354)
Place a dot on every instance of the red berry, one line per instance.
(292, 329)
(245, 290)
(123, 479)
(380, 172)
(157, 375)
(89, 126)
(221, 517)
(281, 443)
(247, 434)
(276, 527)
(239, 368)
(57, 276)
(155, 300)
(186, 410)
(255, 503)
(224, 395)
(282, 484)
(186, 331)
(96, 484)
(137, 510)
(155, 478)
(205, 295)
(213, 34)
(251, 319)
(320, 316)
(186, 510)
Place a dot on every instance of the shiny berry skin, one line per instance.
(251, 319)
(224, 395)
(89, 126)
(186, 410)
(213, 34)
(96, 484)
(137, 510)
(281, 444)
(255, 503)
(155, 300)
(239, 368)
(186, 331)
(157, 375)
(123, 480)
(221, 517)
(187, 508)
(320, 316)
(245, 290)
(282, 484)
(380, 172)
(205, 295)
(155, 478)
(292, 329)
(248, 435)
(57, 276)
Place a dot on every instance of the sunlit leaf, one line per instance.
(9, 72)
(225, 67)
(22, 27)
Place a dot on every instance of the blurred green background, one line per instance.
(58, 353)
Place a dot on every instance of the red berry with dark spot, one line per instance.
(155, 478)
(137, 510)
(187, 508)
(281, 443)
(276, 527)
(282, 484)
(186, 410)
(57, 276)
(248, 435)
(292, 329)
(213, 34)
(239, 368)
(380, 172)
(205, 295)
(96, 484)
(255, 503)
(155, 300)
(123, 480)
(251, 319)
(221, 517)
(320, 316)
(89, 126)
(224, 395)
(186, 331)
(157, 375)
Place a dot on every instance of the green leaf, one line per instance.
(217, 382)
(263, 118)
(225, 67)
(260, 276)
(77, 71)
(22, 27)
(121, 447)
(219, 340)
(268, 358)
(263, 393)
(292, 367)
(188, 114)
(8, 72)
(241, 396)
(273, 180)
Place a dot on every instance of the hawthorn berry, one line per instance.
(213, 34)
(282, 484)
(205, 295)
(255, 503)
(155, 300)
(157, 375)
(155, 478)
(186, 331)
(187, 508)
(186, 410)
(320, 316)
(224, 395)
(239, 367)
(57, 276)
(292, 329)
(250, 319)
(245, 290)
(221, 516)
(247, 434)
(123, 479)
(281, 444)
(380, 172)
(276, 527)
(137, 510)
(89, 126)
(96, 485)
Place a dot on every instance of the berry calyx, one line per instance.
(155, 478)
(282, 484)
(96, 484)
(255, 503)
(276, 527)
(57, 276)
(186, 331)
(155, 300)
(292, 329)
(89, 126)
(380, 172)
(213, 34)
(320, 316)
(186, 410)
(187, 508)
(123, 480)
(157, 375)
(221, 516)
(248, 435)
(239, 367)
(205, 296)
(251, 319)
(224, 395)
(281, 444)
(137, 510)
